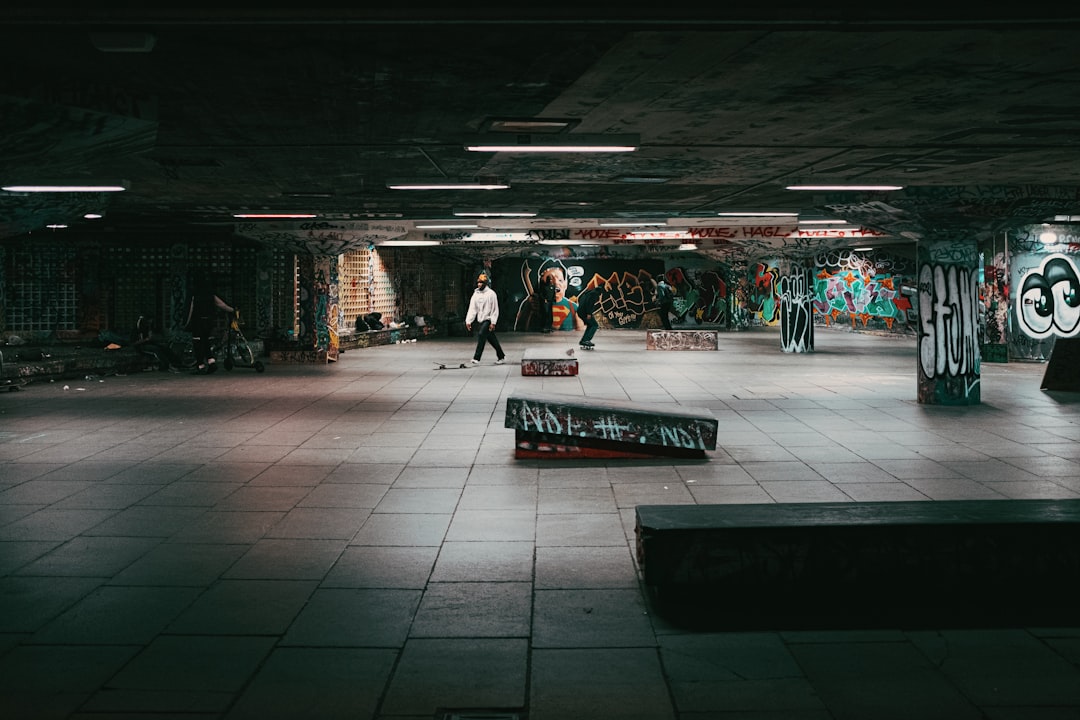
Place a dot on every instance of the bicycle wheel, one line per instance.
(242, 353)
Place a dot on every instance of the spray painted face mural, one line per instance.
(558, 274)
(1049, 300)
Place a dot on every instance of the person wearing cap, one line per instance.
(484, 313)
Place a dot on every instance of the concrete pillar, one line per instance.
(318, 300)
(948, 345)
(796, 291)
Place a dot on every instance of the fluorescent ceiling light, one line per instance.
(862, 249)
(446, 184)
(67, 188)
(427, 226)
(407, 243)
(495, 213)
(758, 214)
(631, 223)
(566, 143)
(275, 216)
(845, 187)
(823, 222)
(688, 246)
(56, 226)
(93, 216)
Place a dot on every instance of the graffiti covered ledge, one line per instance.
(572, 426)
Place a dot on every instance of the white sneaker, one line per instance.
(474, 361)
(500, 361)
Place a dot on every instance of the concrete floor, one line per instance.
(356, 540)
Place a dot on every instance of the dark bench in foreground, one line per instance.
(966, 561)
(572, 426)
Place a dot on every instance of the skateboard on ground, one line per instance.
(450, 365)
(13, 385)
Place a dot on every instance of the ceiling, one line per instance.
(208, 112)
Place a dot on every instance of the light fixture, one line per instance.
(123, 42)
(868, 188)
(447, 184)
(823, 222)
(688, 246)
(67, 188)
(407, 243)
(631, 223)
(274, 216)
(758, 214)
(549, 143)
(643, 179)
(93, 216)
(1048, 238)
(495, 213)
(862, 249)
(427, 226)
(56, 226)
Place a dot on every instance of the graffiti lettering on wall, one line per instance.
(948, 321)
(624, 297)
(861, 287)
(1049, 299)
(796, 311)
(626, 291)
(635, 429)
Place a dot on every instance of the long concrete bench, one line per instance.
(570, 426)
(682, 340)
(548, 362)
(966, 560)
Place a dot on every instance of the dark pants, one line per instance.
(202, 331)
(486, 334)
(547, 316)
(665, 316)
(590, 328)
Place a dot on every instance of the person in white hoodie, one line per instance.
(484, 313)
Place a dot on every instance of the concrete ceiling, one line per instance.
(275, 111)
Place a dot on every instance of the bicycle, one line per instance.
(234, 347)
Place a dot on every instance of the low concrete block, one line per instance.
(682, 340)
(570, 424)
(544, 361)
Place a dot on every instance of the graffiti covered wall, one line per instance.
(868, 290)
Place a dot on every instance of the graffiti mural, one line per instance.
(755, 299)
(701, 295)
(863, 288)
(796, 311)
(948, 335)
(1049, 299)
(626, 291)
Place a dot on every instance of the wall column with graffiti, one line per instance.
(948, 337)
(796, 290)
